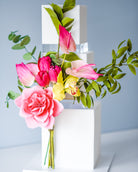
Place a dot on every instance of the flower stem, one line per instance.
(46, 152)
(63, 60)
(31, 55)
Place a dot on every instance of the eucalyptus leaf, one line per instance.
(25, 41)
(12, 95)
(68, 5)
(58, 10)
(67, 21)
(132, 69)
(54, 18)
(27, 56)
(18, 47)
(11, 36)
(33, 51)
(16, 38)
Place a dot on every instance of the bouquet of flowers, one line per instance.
(45, 81)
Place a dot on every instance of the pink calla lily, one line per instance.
(66, 41)
(81, 69)
(27, 73)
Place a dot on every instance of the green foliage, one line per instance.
(67, 21)
(27, 56)
(18, 47)
(132, 69)
(25, 41)
(58, 10)
(83, 99)
(129, 44)
(70, 57)
(68, 5)
(11, 95)
(54, 18)
(121, 51)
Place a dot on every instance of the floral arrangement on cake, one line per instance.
(45, 81)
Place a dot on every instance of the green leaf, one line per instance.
(33, 51)
(68, 5)
(71, 57)
(104, 94)
(27, 56)
(115, 72)
(121, 51)
(111, 79)
(20, 88)
(50, 52)
(7, 104)
(113, 87)
(78, 99)
(66, 65)
(11, 36)
(67, 21)
(95, 86)
(54, 18)
(132, 69)
(39, 55)
(119, 76)
(121, 44)
(107, 84)
(16, 38)
(89, 88)
(114, 54)
(12, 95)
(69, 28)
(129, 44)
(25, 41)
(129, 60)
(101, 78)
(117, 89)
(88, 101)
(18, 47)
(83, 99)
(57, 9)
(135, 63)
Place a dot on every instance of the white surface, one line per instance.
(103, 165)
(124, 144)
(88, 57)
(79, 29)
(77, 138)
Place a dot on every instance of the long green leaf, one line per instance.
(54, 18)
(83, 99)
(58, 10)
(119, 76)
(71, 57)
(67, 21)
(18, 47)
(132, 69)
(88, 101)
(68, 5)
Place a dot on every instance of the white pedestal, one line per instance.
(77, 139)
(79, 29)
(88, 57)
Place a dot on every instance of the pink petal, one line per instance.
(25, 75)
(52, 75)
(42, 78)
(31, 123)
(44, 63)
(49, 91)
(58, 108)
(50, 124)
(18, 101)
(33, 68)
(66, 41)
(77, 64)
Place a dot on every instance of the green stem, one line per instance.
(46, 152)
(58, 50)
(63, 60)
(31, 55)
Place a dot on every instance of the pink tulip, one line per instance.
(27, 73)
(66, 41)
(44, 63)
(38, 107)
(81, 69)
(53, 73)
(42, 78)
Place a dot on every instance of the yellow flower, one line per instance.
(58, 88)
(70, 86)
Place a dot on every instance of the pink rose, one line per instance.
(38, 107)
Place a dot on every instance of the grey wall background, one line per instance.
(109, 22)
